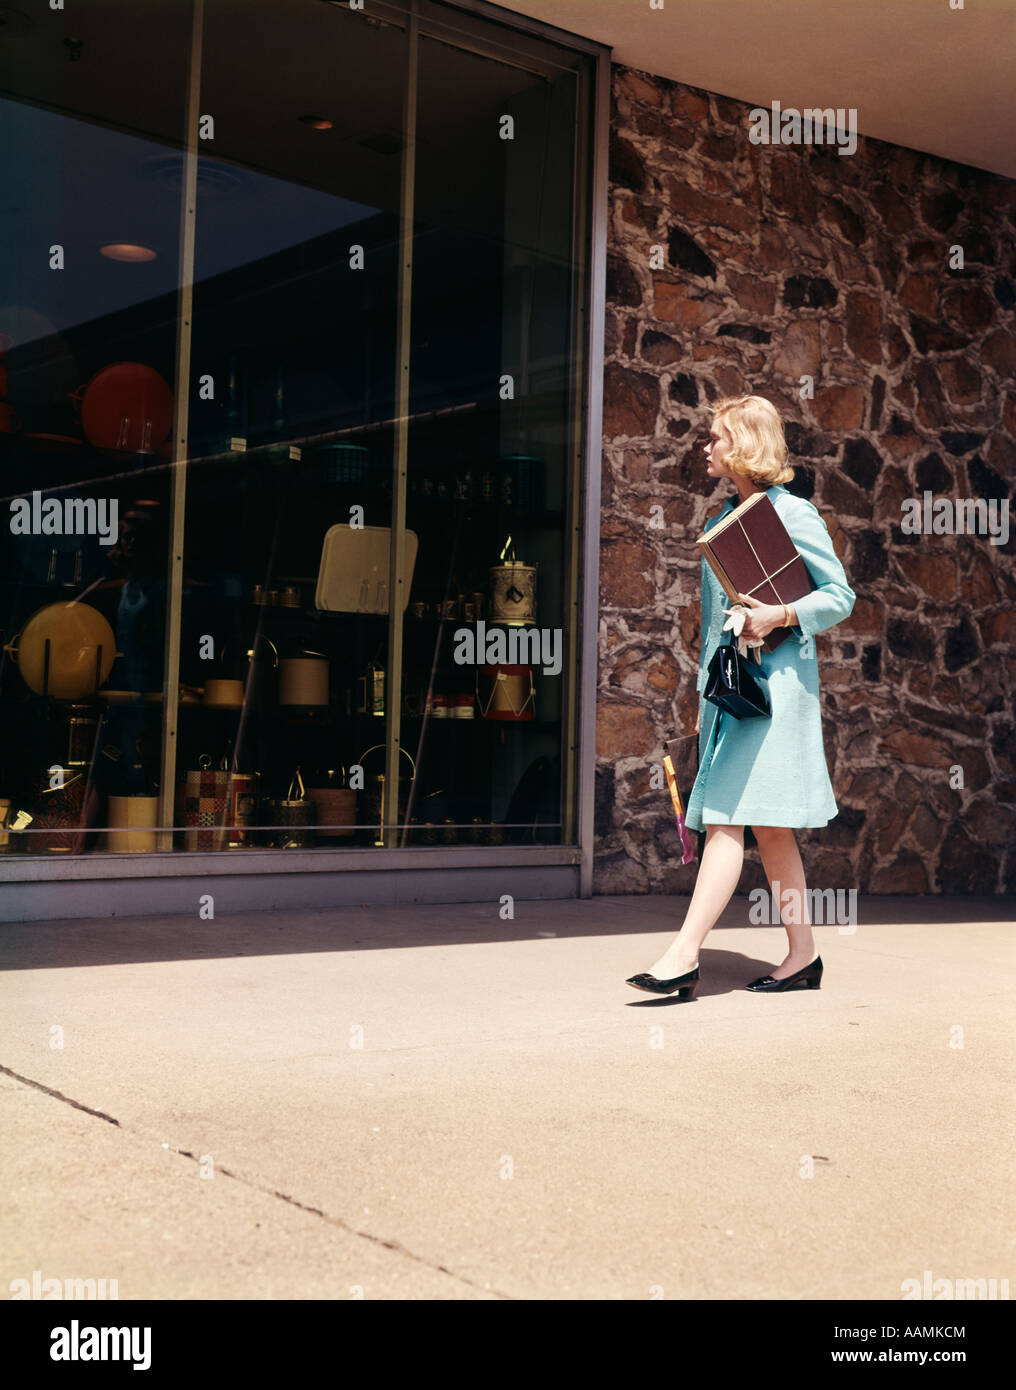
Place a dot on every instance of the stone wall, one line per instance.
(773, 264)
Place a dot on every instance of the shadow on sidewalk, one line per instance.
(120, 941)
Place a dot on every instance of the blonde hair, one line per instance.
(759, 449)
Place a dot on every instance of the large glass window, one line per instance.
(312, 356)
(489, 445)
(289, 487)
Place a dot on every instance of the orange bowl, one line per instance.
(126, 407)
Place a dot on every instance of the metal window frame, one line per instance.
(581, 560)
(181, 426)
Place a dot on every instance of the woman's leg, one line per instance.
(717, 878)
(781, 860)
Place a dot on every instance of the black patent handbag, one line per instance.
(733, 685)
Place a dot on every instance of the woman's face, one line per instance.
(719, 446)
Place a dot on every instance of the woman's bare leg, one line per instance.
(781, 860)
(718, 876)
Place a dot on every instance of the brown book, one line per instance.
(750, 552)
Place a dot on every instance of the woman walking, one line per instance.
(771, 773)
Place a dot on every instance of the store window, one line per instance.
(292, 429)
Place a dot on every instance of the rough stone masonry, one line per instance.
(781, 263)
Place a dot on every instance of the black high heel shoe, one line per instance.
(811, 976)
(687, 984)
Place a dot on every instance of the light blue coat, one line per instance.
(772, 771)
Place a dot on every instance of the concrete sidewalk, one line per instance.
(434, 1103)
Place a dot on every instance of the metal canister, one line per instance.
(216, 806)
(513, 594)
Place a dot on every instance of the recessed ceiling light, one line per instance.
(127, 251)
(317, 122)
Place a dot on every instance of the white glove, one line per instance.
(735, 622)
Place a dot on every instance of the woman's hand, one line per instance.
(762, 619)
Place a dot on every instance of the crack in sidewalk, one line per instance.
(58, 1095)
(265, 1188)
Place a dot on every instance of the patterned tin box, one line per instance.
(216, 807)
